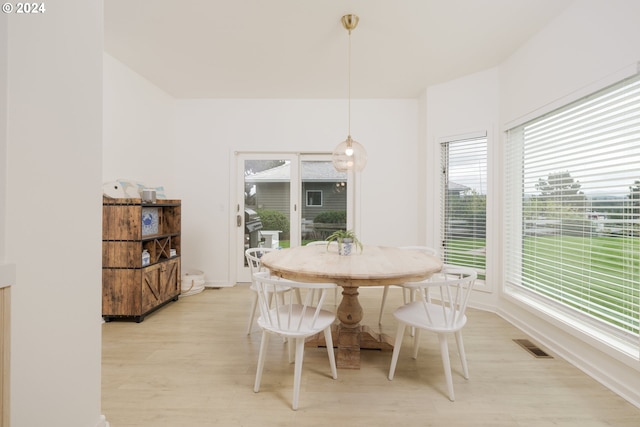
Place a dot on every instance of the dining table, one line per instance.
(370, 266)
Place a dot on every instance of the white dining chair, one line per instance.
(253, 256)
(430, 251)
(293, 321)
(439, 307)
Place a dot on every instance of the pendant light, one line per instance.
(349, 155)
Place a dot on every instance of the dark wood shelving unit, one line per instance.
(129, 288)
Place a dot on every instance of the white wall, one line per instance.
(53, 222)
(3, 131)
(590, 41)
(7, 270)
(187, 147)
(209, 131)
(138, 129)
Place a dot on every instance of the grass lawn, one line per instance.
(599, 276)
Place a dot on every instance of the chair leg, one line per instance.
(261, 356)
(396, 350)
(444, 351)
(297, 291)
(384, 299)
(463, 356)
(332, 357)
(412, 298)
(405, 300)
(290, 348)
(416, 342)
(297, 372)
(252, 315)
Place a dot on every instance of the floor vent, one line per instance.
(533, 349)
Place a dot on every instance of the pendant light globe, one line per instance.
(349, 155)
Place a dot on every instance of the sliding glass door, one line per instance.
(286, 200)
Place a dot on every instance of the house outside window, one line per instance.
(572, 217)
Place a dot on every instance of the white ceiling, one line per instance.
(299, 49)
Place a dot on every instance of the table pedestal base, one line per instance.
(349, 342)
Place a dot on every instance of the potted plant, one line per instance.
(345, 239)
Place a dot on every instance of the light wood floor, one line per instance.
(191, 364)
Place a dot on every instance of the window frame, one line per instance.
(445, 149)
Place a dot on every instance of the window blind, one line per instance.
(572, 212)
(464, 202)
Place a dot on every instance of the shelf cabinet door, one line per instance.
(160, 283)
(151, 290)
(170, 278)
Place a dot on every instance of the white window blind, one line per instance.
(464, 202)
(572, 229)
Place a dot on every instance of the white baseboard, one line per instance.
(217, 284)
(102, 422)
(7, 275)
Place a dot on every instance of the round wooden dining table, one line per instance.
(373, 266)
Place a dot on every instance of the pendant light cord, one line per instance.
(349, 89)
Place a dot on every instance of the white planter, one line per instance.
(345, 247)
